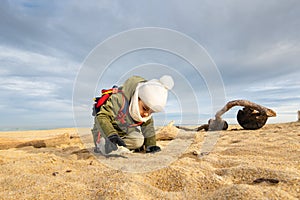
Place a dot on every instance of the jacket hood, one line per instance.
(130, 85)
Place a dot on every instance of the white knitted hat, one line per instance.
(154, 93)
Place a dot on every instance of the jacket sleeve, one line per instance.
(106, 118)
(149, 133)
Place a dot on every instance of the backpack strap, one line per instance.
(124, 111)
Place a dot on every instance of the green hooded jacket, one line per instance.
(107, 116)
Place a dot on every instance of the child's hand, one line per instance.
(153, 149)
(116, 140)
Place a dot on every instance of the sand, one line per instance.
(243, 164)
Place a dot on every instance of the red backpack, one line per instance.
(105, 94)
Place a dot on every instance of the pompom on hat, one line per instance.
(154, 93)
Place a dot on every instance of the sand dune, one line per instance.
(243, 164)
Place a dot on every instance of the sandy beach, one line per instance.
(243, 164)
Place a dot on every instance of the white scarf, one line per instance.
(134, 107)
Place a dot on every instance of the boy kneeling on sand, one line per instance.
(125, 119)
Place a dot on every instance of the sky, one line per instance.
(250, 50)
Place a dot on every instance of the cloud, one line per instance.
(255, 45)
(29, 87)
(35, 89)
(29, 63)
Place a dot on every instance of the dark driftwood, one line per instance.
(204, 126)
(219, 126)
(49, 142)
(250, 119)
(186, 128)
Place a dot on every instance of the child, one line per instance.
(125, 119)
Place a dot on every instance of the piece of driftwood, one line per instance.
(204, 126)
(49, 142)
(186, 128)
(210, 126)
(251, 119)
(217, 124)
(252, 116)
(7, 143)
(245, 103)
